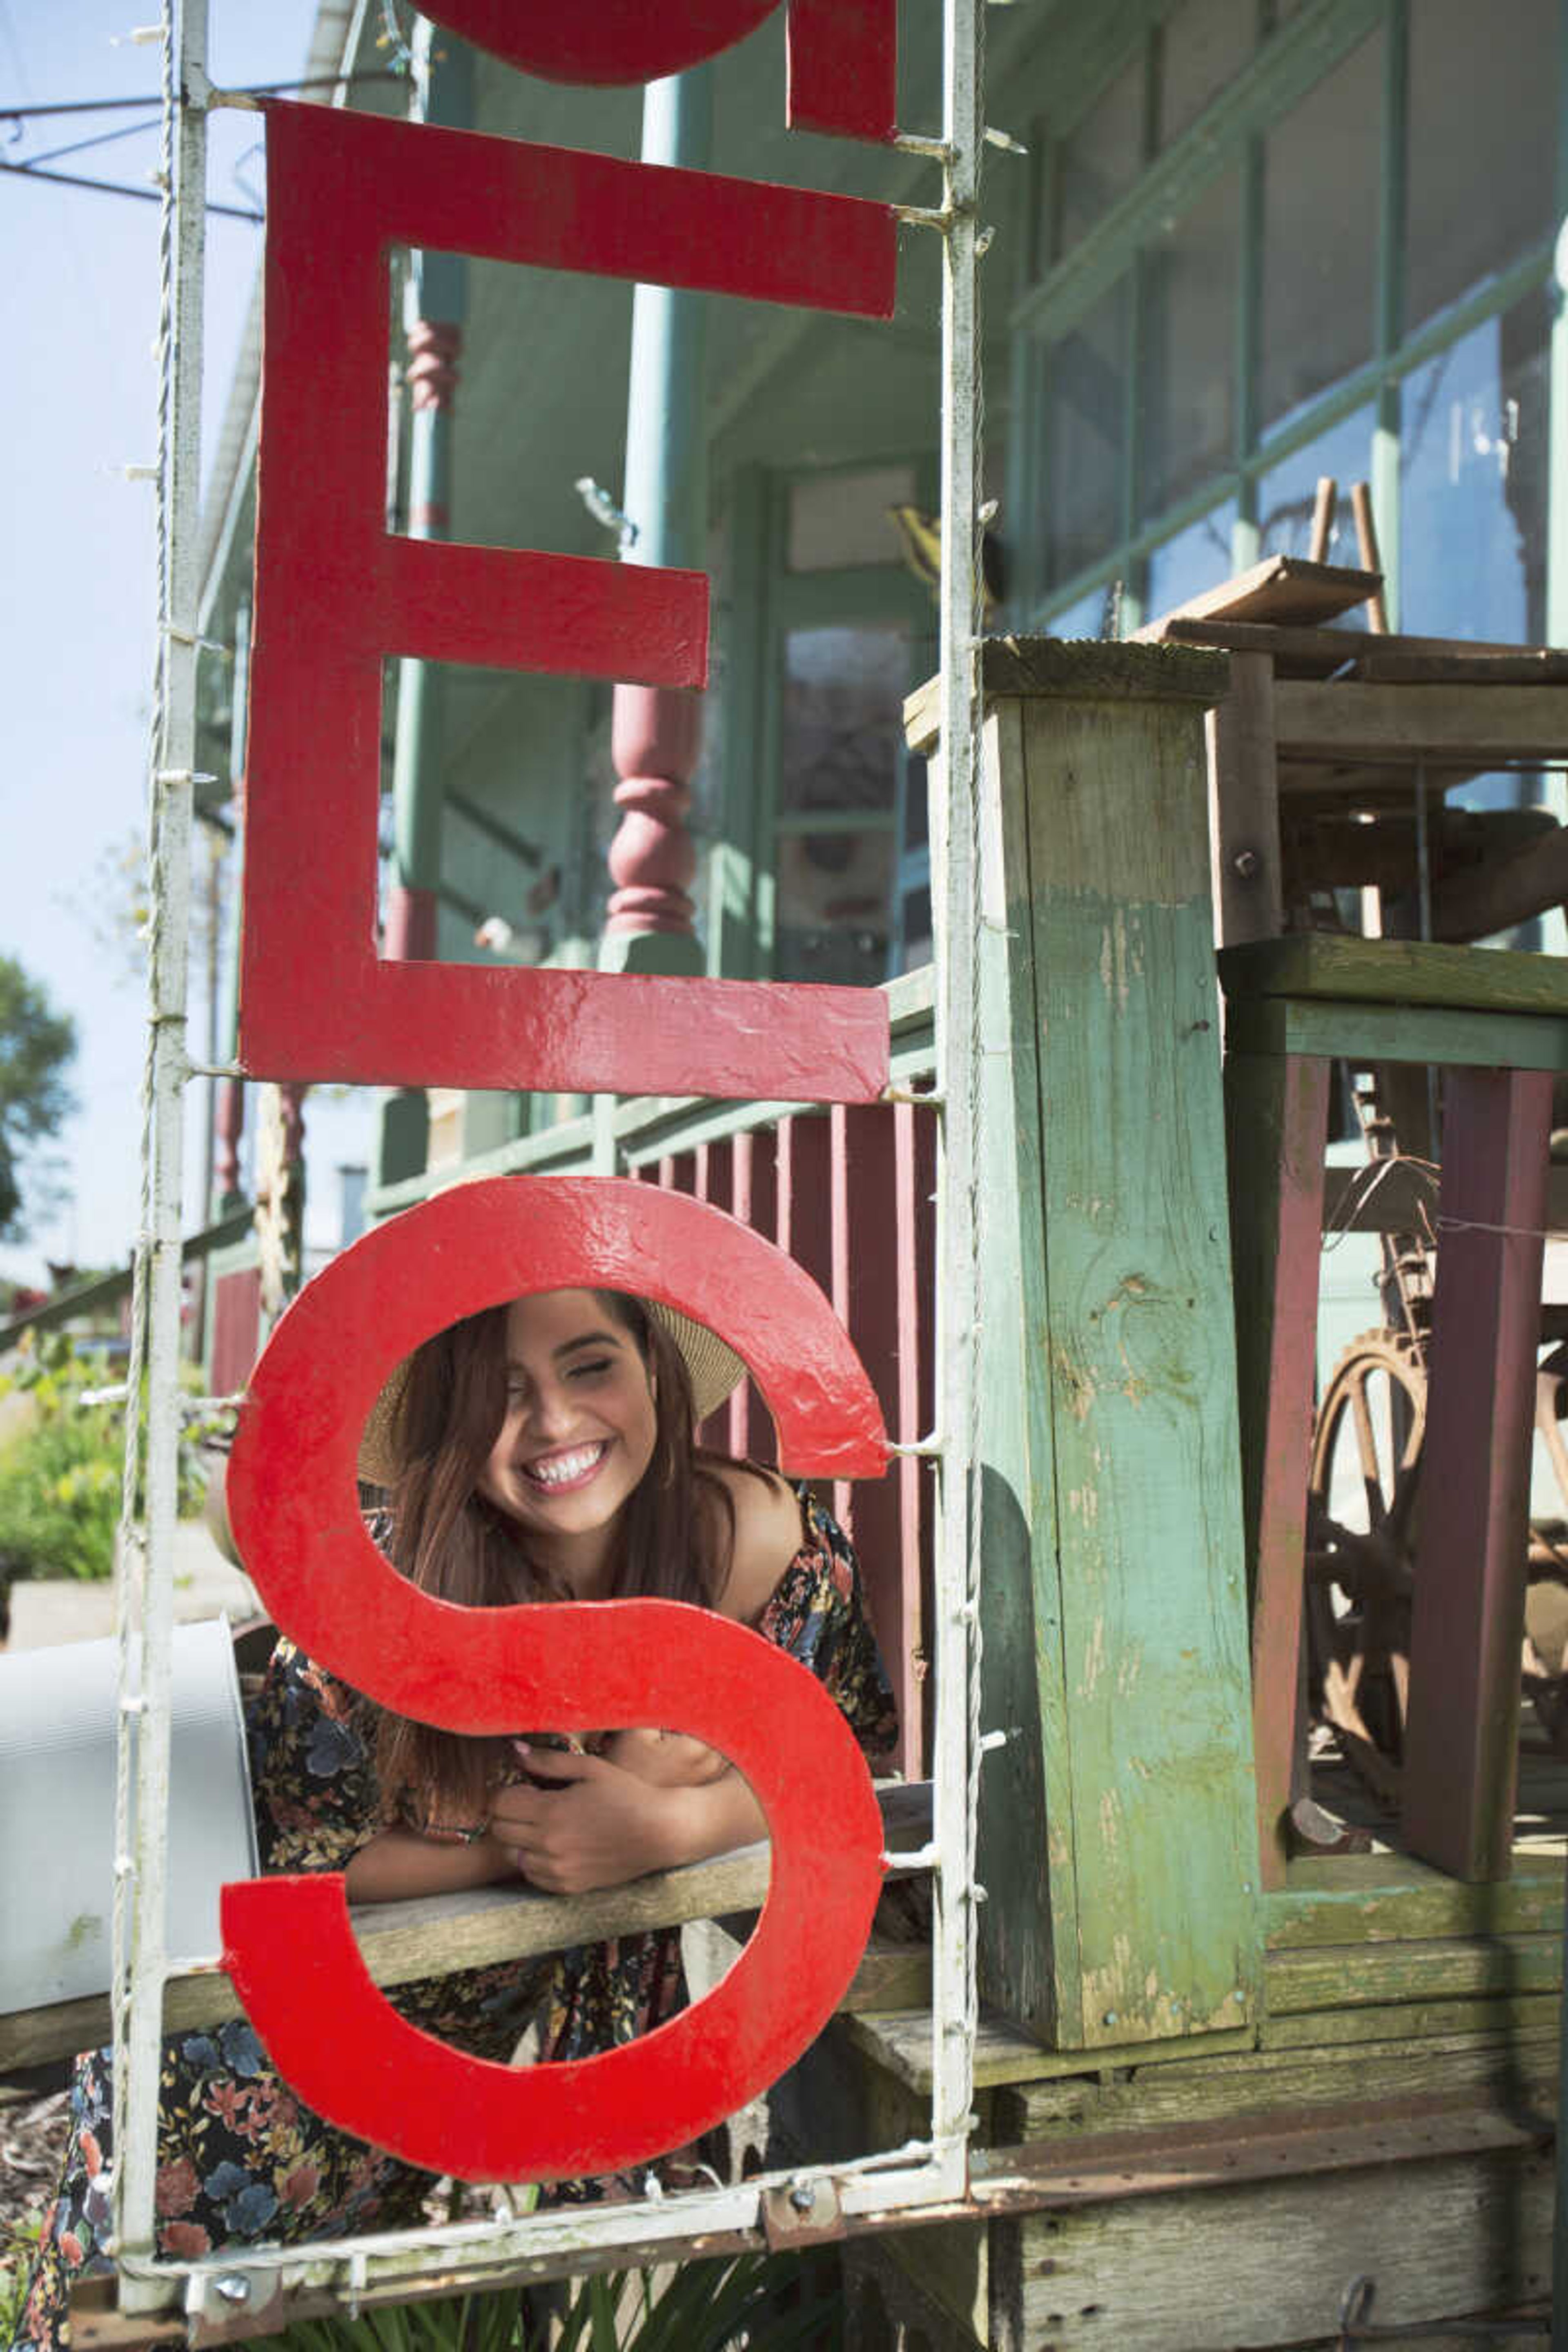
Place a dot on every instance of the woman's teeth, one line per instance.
(561, 1469)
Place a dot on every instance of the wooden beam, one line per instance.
(1284, 588)
(1394, 659)
(1278, 1114)
(1346, 720)
(1141, 1597)
(1313, 964)
(1462, 1735)
(1244, 806)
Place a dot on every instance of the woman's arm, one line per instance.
(598, 1824)
(398, 1864)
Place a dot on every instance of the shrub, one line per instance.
(61, 1466)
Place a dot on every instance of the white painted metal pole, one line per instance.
(957, 1077)
(147, 1596)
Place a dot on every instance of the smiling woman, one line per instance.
(537, 1452)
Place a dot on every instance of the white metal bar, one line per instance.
(146, 1595)
(957, 1067)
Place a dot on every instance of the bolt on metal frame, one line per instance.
(923, 2172)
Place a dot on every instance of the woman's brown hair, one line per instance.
(674, 1539)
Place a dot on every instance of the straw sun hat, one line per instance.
(713, 1369)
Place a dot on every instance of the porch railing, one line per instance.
(848, 1193)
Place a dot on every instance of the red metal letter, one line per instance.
(574, 1667)
(843, 54)
(334, 593)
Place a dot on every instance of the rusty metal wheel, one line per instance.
(1361, 1512)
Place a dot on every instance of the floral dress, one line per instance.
(241, 2159)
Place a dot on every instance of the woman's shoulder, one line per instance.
(769, 1530)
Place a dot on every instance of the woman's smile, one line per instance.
(557, 1473)
(580, 1429)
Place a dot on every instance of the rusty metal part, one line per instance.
(801, 2213)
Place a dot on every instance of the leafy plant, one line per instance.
(18, 2246)
(712, 2306)
(60, 1469)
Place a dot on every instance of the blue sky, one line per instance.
(77, 405)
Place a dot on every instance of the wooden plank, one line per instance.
(1402, 971)
(901, 2043)
(754, 1199)
(1261, 2082)
(1366, 1033)
(1075, 670)
(1461, 1737)
(1506, 890)
(1385, 1898)
(862, 1179)
(1395, 659)
(1346, 720)
(1265, 2263)
(803, 1204)
(1505, 2016)
(713, 1180)
(1282, 588)
(1244, 806)
(431, 1936)
(1277, 1110)
(1349, 1976)
(1139, 1348)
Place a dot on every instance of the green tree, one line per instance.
(36, 1045)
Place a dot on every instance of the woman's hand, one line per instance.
(600, 1823)
(670, 1760)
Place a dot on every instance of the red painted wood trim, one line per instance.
(1462, 1736)
(843, 68)
(755, 1202)
(863, 1155)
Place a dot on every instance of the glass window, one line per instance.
(1099, 159)
(1321, 211)
(843, 719)
(841, 750)
(1195, 558)
(1483, 144)
(1187, 382)
(1288, 492)
(1204, 44)
(1094, 615)
(840, 520)
(1472, 484)
(1085, 440)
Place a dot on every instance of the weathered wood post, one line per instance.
(1117, 1836)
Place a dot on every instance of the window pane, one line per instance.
(843, 719)
(1187, 385)
(1205, 43)
(1100, 158)
(1093, 615)
(1084, 440)
(1196, 559)
(1483, 143)
(839, 519)
(835, 904)
(1288, 492)
(1473, 484)
(1320, 250)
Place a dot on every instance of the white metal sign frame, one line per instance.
(239, 2284)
